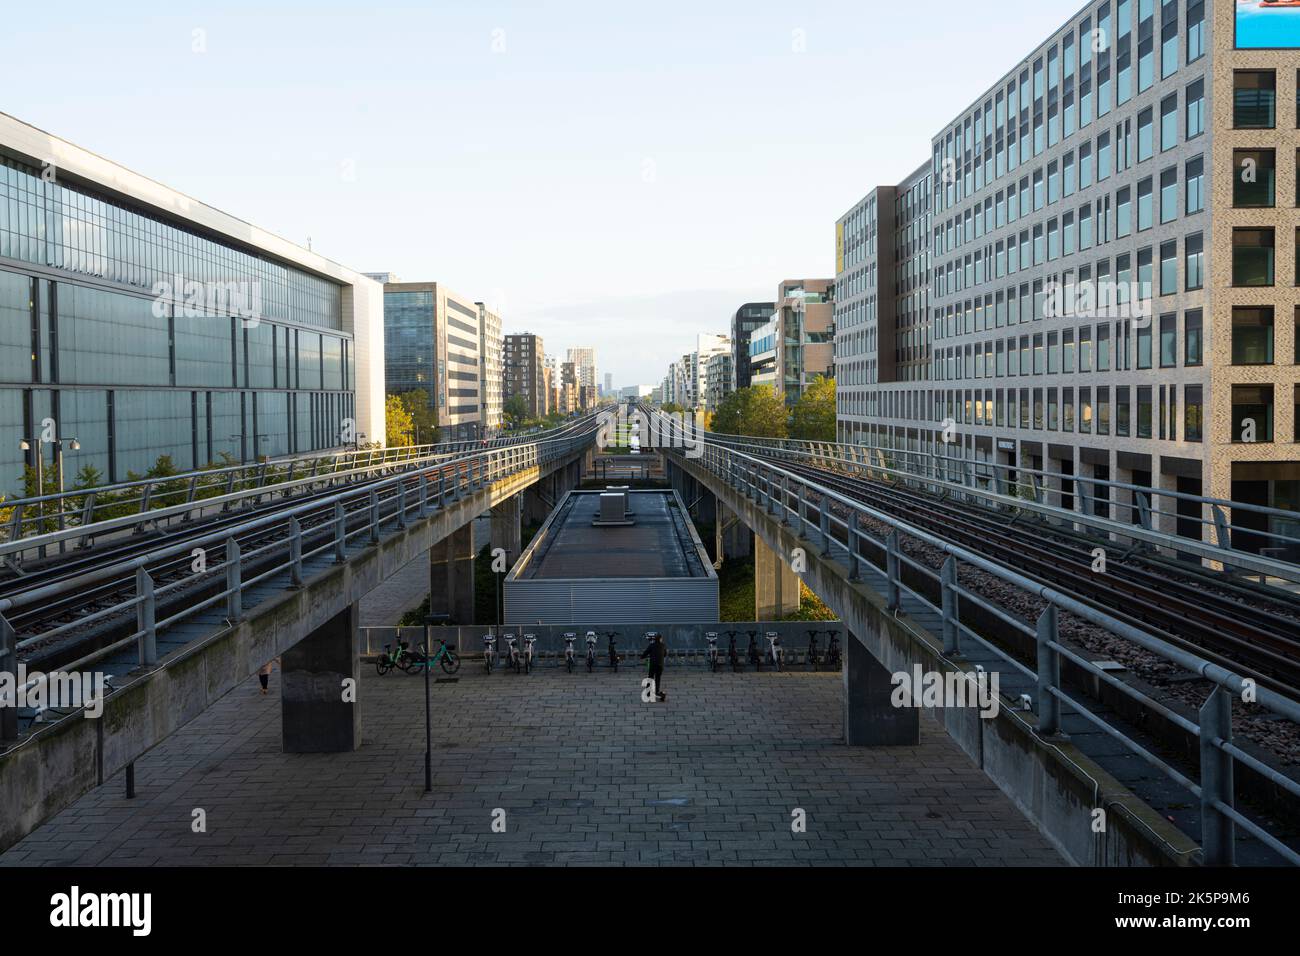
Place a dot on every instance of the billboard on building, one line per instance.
(1268, 24)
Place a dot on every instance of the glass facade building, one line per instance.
(94, 348)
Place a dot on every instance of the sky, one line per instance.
(619, 175)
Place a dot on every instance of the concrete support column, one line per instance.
(319, 714)
(735, 540)
(776, 587)
(451, 576)
(506, 530)
(870, 717)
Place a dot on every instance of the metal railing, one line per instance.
(1143, 505)
(158, 498)
(834, 524)
(297, 534)
(961, 479)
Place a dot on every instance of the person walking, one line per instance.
(657, 651)
(264, 674)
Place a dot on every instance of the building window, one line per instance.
(1144, 346)
(1194, 268)
(1169, 268)
(1252, 335)
(1122, 412)
(1146, 211)
(1192, 337)
(1254, 176)
(1123, 213)
(1252, 257)
(1254, 99)
(1195, 109)
(1193, 413)
(1146, 146)
(1252, 413)
(1195, 30)
(1195, 186)
(1169, 340)
(1144, 411)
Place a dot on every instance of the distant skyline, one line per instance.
(617, 176)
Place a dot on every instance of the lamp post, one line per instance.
(429, 621)
(496, 579)
(35, 445)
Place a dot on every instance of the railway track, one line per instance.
(1235, 634)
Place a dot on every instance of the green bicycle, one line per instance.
(444, 656)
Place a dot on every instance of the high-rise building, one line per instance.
(609, 384)
(431, 340)
(584, 365)
(138, 322)
(491, 375)
(796, 344)
(719, 379)
(1094, 308)
(747, 318)
(525, 365)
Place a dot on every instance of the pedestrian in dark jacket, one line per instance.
(657, 651)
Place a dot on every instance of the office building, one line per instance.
(431, 338)
(139, 322)
(1112, 271)
(584, 364)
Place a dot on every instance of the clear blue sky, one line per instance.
(620, 175)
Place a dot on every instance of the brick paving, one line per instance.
(584, 771)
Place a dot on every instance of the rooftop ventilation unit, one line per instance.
(613, 511)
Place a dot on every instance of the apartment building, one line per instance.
(584, 364)
(491, 371)
(719, 379)
(746, 319)
(524, 360)
(1109, 288)
(796, 344)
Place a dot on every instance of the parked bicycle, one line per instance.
(813, 658)
(529, 641)
(489, 652)
(512, 652)
(712, 652)
(591, 651)
(444, 657)
(752, 653)
(833, 658)
(733, 653)
(613, 650)
(775, 653)
(570, 655)
(394, 655)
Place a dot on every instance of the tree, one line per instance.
(756, 411)
(813, 416)
(400, 428)
(424, 419)
(515, 411)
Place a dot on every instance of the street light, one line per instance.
(34, 444)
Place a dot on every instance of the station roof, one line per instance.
(661, 544)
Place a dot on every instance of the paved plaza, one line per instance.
(577, 768)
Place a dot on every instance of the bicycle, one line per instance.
(569, 653)
(613, 650)
(444, 657)
(752, 653)
(395, 655)
(591, 651)
(813, 659)
(833, 657)
(712, 638)
(512, 652)
(775, 654)
(529, 641)
(733, 654)
(489, 651)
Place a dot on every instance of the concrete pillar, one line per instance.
(776, 587)
(506, 530)
(318, 714)
(870, 717)
(451, 576)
